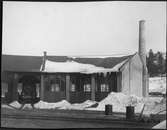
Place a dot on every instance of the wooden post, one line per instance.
(68, 87)
(119, 81)
(42, 88)
(15, 83)
(93, 88)
(130, 76)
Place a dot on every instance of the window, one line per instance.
(55, 88)
(87, 88)
(55, 83)
(73, 88)
(37, 89)
(4, 89)
(19, 88)
(104, 87)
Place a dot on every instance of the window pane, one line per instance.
(57, 88)
(87, 88)
(52, 87)
(19, 88)
(37, 89)
(104, 87)
(73, 87)
(4, 89)
(107, 88)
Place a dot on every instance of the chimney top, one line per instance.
(142, 20)
(45, 53)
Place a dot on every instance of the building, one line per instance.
(76, 79)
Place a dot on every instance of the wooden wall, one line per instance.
(132, 76)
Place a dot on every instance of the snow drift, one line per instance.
(27, 106)
(46, 105)
(161, 125)
(15, 104)
(6, 106)
(64, 105)
(119, 101)
(157, 84)
(80, 106)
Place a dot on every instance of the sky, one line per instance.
(81, 28)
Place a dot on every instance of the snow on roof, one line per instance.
(101, 56)
(75, 67)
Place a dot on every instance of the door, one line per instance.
(28, 93)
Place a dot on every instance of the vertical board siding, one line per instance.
(136, 76)
(125, 79)
(132, 77)
(119, 81)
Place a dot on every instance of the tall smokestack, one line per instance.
(43, 60)
(142, 53)
(142, 41)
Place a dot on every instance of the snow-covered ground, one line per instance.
(57, 105)
(161, 125)
(157, 84)
(6, 106)
(119, 101)
(15, 104)
(46, 105)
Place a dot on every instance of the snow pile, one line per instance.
(64, 105)
(157, 84)
(119, 101)
(15, 104)
(73, 66)
(46, 105)
(80, 106)
(27, 106)
(154, 105)
(161, 125)
(6, 106)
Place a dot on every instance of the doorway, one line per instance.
(28, 92)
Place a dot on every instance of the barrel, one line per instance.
(108, 109)
(130, 112)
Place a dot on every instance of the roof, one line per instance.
(33, 63)
(76, 67)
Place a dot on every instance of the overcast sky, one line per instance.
(81, 28)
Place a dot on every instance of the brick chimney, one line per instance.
(44, 60)
(142, 53)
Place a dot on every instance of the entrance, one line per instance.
(28, 93)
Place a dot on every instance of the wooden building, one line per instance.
(54, 78)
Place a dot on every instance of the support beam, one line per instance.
(93, 88)
(68, 87)
(119, 82)
(42, 88)
(15, 84)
